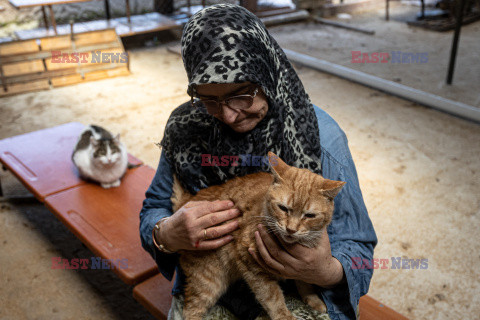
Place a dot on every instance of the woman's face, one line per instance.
(238, 120)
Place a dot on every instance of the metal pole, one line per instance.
(107, 10)
(456, 37)
(387, 17)
(127, 4)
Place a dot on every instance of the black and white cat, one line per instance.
(101, 157)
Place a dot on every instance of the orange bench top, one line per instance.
(41, 160)
(155, 295)
(107, 221)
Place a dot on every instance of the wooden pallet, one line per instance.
(42, 63)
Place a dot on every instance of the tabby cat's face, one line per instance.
(299, 204)
(106, 151)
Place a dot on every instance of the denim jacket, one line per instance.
(351, 232)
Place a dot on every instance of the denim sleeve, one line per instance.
(351, 232)
(157, 205)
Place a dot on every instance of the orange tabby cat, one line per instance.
(295, 204)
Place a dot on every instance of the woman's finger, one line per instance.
(213, 219)
(260, 261)
(192, 204)
(211, 206)
(266, 256)
(274, 248)
(219, 231)
(213, 244)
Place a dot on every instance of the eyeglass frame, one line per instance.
(224, 101)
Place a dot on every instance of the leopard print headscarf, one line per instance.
(228, 44)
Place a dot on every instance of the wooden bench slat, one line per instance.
(89, 38)
(154, 295)
(25, 87)
(107, 221)
(371, 309)
(25, 67)
(18, 47)
(56, 43)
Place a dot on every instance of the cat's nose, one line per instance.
(290, 231)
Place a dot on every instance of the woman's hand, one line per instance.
(185, 229)
(294, 261)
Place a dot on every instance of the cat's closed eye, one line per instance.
(309, 215)
(282, 207)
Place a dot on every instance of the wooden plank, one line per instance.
(23, 68)
(18, 47)
(25, 87)
(155, 295)
(39, 75)
(102, 74)
(56, 43)
(106, 221)
(66, 80)
(28, 87)
(33, 3)
(93, 37)
(371, 309)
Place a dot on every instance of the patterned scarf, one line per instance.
(228, 44)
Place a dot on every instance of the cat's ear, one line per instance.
(277, 167)
(330, 188)
(117, 138)
(93, 141)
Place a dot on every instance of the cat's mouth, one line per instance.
(288, 238)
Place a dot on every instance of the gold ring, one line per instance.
(205, 234)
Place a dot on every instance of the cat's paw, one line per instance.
(316, 303)
(106, 185)
(116, 183)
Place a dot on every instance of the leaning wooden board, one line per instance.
(38, 64)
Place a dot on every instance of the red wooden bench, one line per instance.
(105, 220)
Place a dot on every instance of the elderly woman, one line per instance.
(249, 101)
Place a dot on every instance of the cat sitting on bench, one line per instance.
(101, 157)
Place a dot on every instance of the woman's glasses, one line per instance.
(240, 102)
